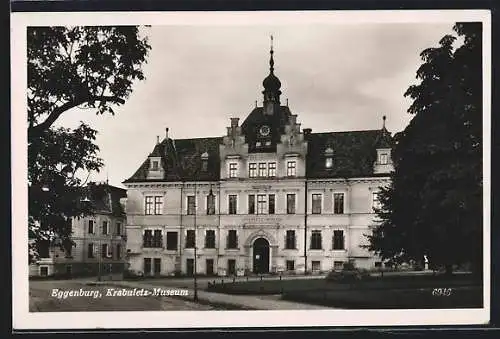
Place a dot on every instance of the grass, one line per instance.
(388, 292)
(321, 284)
(416, 298)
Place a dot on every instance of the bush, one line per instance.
(349, 273)
(132, 274)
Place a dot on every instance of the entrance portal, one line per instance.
(261, 256)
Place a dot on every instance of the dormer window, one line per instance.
(154, 165)
(204, 162)
(258, 144)
(383, 159)
(329, 157)
(268, 143)
(329, 162)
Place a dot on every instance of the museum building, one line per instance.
(267, 197)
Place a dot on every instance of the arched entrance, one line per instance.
(261, 256)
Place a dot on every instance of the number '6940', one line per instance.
(441, 292)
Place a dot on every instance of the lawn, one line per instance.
(386, 292)
(421, 298)
(302, 285)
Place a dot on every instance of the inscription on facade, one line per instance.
(262, 220)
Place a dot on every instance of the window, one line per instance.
(271, 169)
(91, 227)
(158, 205)
(383, 159)
(316, 240)
(375, 200)
(155, 165)
(104, 227)
(157, 239)
(233, 168)
(104, 251)
(290, 203)
(338, 265)
(172, 241)
(190, 239)
(261, 204)
(258, 144)
(338, 240)
(316, 203)
(191, 205)
(232, 239)
(252, 170)
(118, 251)
(147, 266)
(290, 265)
(262, 169)
(316, 266)
(149, 205)
(272, 203)
(338, 203)
(329, 162)
(152, 240)
(268, 143)
(157, 266)
(153, 205)
(210, 239)
(233, 202)
(90, 251)
(290, 240)
(44, 271)
(118, 228)
(291, 169)
(231, 267)
(251, 204)
(210, 204)
(204, 165)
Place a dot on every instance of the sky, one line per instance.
(335, 77)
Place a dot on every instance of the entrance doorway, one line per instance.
(210, 267)
(261, 256)
(190, 267)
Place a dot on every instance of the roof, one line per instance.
(354, 153)
(257, 118)
(106, 198)
(181, 160)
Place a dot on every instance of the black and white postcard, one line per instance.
(255, 169)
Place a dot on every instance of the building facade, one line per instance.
(267, 196)
(98, 240)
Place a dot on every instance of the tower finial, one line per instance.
(271, 61)
(383, 122)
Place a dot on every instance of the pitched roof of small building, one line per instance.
(105, 198)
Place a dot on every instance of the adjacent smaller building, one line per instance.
(98, 240)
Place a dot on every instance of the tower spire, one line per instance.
(271, 60)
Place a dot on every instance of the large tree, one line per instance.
(433, 206)
(91, 68)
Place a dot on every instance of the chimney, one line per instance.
(157, 139)
(307, 132)
(166, 133)
(234, 122)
